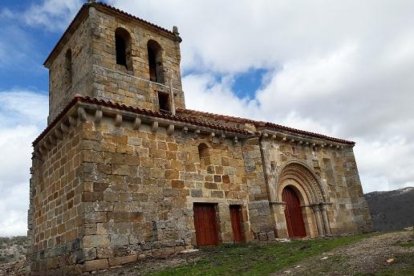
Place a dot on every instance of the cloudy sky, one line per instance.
(343, 68)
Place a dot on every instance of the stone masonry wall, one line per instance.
(139, 187)
(60, 91)
(361, 215)
(132, 87)
(336, 172)
(260, 216)
(55, 216)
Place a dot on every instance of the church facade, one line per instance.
(124, 171)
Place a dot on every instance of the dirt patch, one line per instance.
(373, 255)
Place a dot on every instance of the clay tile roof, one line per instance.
(80, 99)
(219, 116)
(308, 133)
(265, 125)
(121, 12)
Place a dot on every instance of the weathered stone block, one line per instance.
(92, 196)
(100, 187)
(177, 184)
(210, 185)
(89, 254)
(122, 170)
(94, 217)
(126, 216)
(104, 252)
(119, 240)
(122, 260)
(95, 241)
(172, 174)
(196, 193)
(96, 265)
(219, 194)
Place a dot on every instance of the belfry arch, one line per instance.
(298, 180)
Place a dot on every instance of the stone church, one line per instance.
(123, 170)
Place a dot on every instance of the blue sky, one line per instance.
(342, 68)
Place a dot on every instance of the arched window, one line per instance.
(203, 153)
(68, 68)
(123, 48)
(156, 71)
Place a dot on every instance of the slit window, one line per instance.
(164, 102)
(68, 68)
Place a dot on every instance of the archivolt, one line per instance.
(304, 177)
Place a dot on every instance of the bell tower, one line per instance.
(113, 56)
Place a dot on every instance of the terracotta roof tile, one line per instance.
(80, 99)
(308, 133)
(261, 124)
(220, 117)
(132, 16)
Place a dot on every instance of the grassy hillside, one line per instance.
(367, 254)
(12, 249)
(258, 259)
(391, 210)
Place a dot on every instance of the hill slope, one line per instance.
(392, 210)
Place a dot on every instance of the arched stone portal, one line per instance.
(296, 180)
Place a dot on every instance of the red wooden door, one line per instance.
(236, 219)
(293, 213)
(205, 224)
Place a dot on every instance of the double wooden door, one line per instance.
(293, 213)
(205, 224)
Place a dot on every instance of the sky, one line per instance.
(341, 68)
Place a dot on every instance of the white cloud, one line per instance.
(54, 15)
(22, 118)
(204, 93)
(343, 68)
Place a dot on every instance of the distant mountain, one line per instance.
(392, 210)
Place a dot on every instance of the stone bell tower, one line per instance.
(111, 55)
(117, 62)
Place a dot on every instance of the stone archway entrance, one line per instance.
(300, 208)
(293, 213)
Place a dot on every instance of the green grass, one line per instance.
(406, 244)
(257, 259)
(404, 265)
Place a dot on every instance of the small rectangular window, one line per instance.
(164, 102)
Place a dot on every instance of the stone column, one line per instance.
(307, 212)
(317, 213)
(278, 209)
(325, 220)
